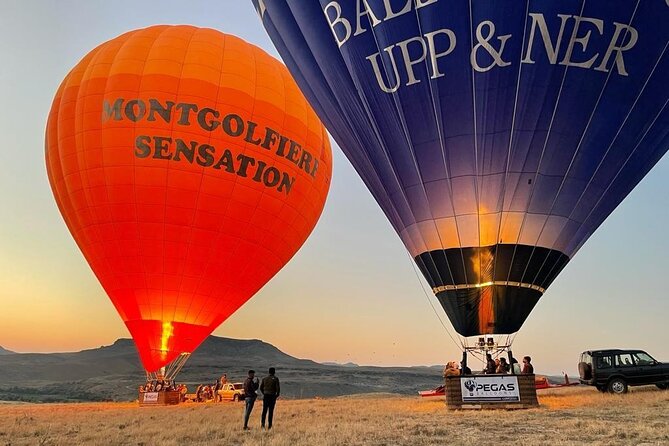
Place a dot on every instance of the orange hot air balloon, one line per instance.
(189, 169)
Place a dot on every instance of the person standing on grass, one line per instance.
(217, 387)
(250, 395)
(270, 388)
(528, 368)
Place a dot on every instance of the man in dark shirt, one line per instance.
(270, 389)
(528, 369)
(250, 387)
(490, 367)
(217, 387)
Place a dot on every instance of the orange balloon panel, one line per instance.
(189, 169)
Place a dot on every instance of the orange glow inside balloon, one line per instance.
(189, 169)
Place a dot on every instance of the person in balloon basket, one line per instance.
(490, 367)
(503, 366)
(451, 369)
(250, 386)
(270, 388)
(528, 368)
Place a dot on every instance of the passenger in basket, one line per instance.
(528, 368)
(490, 367)
(503, 366)
(451, 369)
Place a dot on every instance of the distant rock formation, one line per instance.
(348, 364)
(4, 351)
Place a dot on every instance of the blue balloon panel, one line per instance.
(496, 136)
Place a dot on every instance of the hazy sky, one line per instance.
(350, 294)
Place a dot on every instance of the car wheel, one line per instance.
(662, 386)
(235, 397)
(618, 386)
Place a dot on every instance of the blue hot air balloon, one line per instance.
(496, 136)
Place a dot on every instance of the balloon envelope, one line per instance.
(495, 135)
(189, 169)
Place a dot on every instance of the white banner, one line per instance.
(483, 389)
(150, 397)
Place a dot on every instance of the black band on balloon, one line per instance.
(493, 309)
(532, 265)
(490, 289)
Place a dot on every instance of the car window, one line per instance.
(238, 386)
(643, 358)
(604, 362)
(624, 360)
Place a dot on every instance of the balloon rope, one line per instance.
(176, 366)
(513, 338)
(461, 344)
(171, 370)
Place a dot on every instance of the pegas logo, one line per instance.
(490, 388)
(509, 387)
(473, 386)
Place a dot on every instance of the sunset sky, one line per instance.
(350, 294)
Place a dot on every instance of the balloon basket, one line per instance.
(480, 392)
(162, 398)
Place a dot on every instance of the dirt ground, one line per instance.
(571, 416)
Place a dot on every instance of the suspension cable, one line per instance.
(427, 296)
(170, 371)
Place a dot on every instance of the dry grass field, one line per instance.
(566, 417)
